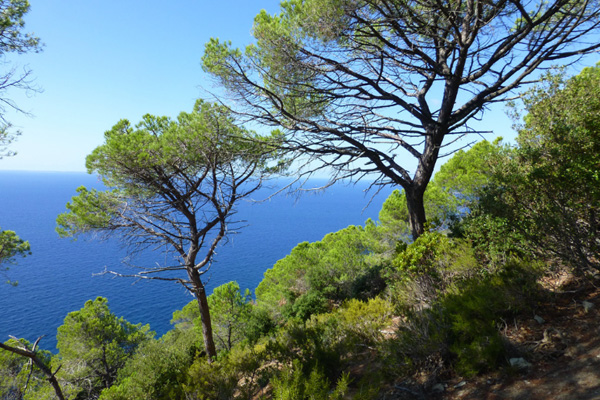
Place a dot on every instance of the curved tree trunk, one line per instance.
(415, 190)
(416, 211)
(207, 333)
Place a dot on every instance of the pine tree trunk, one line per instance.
(207, 333)
(416, 211)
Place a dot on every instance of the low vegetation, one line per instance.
(352, 315)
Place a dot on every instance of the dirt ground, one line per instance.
(563, 348)
(560, 342)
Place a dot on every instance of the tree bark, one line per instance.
(416, 210)
(40, 364)
(207, 333)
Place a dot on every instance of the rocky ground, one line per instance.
(558, 347)
(561, 344)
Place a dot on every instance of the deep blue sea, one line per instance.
(59, 276)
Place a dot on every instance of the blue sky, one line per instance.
(108, 60)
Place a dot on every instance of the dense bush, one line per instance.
(292, 383)
(424, 269)
(462, 326)
(159, 368)
(316, 276)
(241, 373)
(548, 188)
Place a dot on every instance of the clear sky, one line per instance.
(108, 60)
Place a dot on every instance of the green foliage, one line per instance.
(232, 315)
(12, 39)
(433, 254)
(242, 372)
(158, 369)
(307, 304)
(11, 247)
(94, 345)
(15, 369)
(160, 145)
(548, 189)
(493, 239)
(310, 345)
(231, 312)
(393, 219)
(321, 348)
(426, 268)
(293, 384)
(462, 325)
(87, 211)
(355, 325)
(474, 310)
(316, 274)
(259, 324)
(217, 380)
(466, 173)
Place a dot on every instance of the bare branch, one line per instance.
(32, 355)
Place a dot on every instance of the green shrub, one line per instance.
(462, 326)
(259, 324)
(312, 302)
(493, 239)
(315, 276)
(240, 372)
(158, 369)
(423, 270)
(309, 344)
(211, 381)
(356, 324)
(294, 384)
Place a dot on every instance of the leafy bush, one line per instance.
(308, 344)
(321, 348)
(158, 370)
(357, 324)
(240, 371)
(424, 269)
(462, 325)
(294, 384)
(259, 324)
(312, 302)
(317, 275)
(548, 189)
(493, 239)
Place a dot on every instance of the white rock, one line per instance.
(539, 319)
(438, 388)
(519, 363)
(587, 306)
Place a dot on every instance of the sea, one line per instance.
(62, 274)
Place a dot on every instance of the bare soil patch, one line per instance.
(563, 350)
